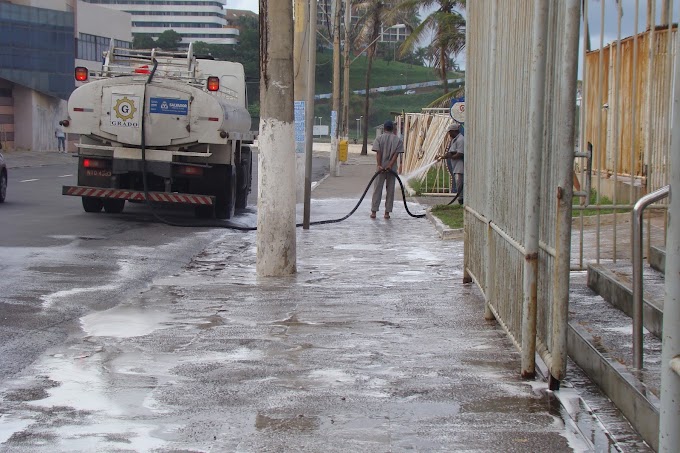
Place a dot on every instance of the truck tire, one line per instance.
(114, 206)
(3, 186)
(243, 179)
(92, 204)
(225, 197)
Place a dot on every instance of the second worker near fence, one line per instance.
(387, 147)
(455, 159)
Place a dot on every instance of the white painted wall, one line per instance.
(35, 118)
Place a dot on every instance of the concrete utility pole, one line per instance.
(669, 412)
(276, 253)
(300, 61)
(345, 88)
(336, 85)
(309, 112)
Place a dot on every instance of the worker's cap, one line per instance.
(454, 127)
(388, 126)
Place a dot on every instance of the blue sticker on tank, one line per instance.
(169, 106)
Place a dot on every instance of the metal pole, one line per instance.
(336, 88)
(617, 112)
(634, 103)
(309, 119)
(489, 250)
(583, 117)
(533, 184)
(638, 211)
(565, 145)
(301, 59)
(276, 246)
(599, 104)
(345, 82)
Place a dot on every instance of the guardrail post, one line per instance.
(638, 211)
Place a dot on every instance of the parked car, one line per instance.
(410, 92)
(3, 179)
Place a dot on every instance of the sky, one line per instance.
(252, 5)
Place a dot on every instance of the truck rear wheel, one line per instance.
(92, 204)
(114, 206)
(243, 179)
(225, 198)
(203, 212)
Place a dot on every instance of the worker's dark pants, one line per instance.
(380, 180)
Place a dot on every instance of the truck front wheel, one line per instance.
(92, 204)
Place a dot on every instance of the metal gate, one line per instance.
(522, 58)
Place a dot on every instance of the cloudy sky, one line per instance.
(252, 5)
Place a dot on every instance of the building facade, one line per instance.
(96, 27)
(40, 43)
(194, 20)
(37, 51)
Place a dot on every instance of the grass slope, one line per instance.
(382, 105)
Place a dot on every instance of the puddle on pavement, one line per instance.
(367, 247)
(124, 322)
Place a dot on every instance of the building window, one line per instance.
(91, 47)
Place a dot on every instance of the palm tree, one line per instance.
(376, 15)
(369, 32)
(448, 27)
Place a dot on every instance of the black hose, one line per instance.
(454, 199)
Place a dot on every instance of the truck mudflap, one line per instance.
(132, 195)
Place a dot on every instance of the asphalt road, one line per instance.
(58, 263)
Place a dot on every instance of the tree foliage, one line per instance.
(169, 40)
(246, 52)
(142, 41)
(447, 26)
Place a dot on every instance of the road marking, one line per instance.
(65, 176)
(29, 180)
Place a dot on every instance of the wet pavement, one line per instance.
(375, 345)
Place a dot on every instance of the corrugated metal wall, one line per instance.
(519, 153)
(642, 134)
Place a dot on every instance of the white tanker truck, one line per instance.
(163, 126)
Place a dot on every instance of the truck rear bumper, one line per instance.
(132, 195)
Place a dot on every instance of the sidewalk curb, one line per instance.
(444, 231)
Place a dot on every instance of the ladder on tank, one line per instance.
(178, 64)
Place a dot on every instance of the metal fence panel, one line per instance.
(508, 44)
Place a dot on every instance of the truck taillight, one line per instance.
(81, 74)
(95, 163)
(190, 171)
(213, 83)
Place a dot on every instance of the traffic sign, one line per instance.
(457, 112)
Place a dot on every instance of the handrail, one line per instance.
(638, 211)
